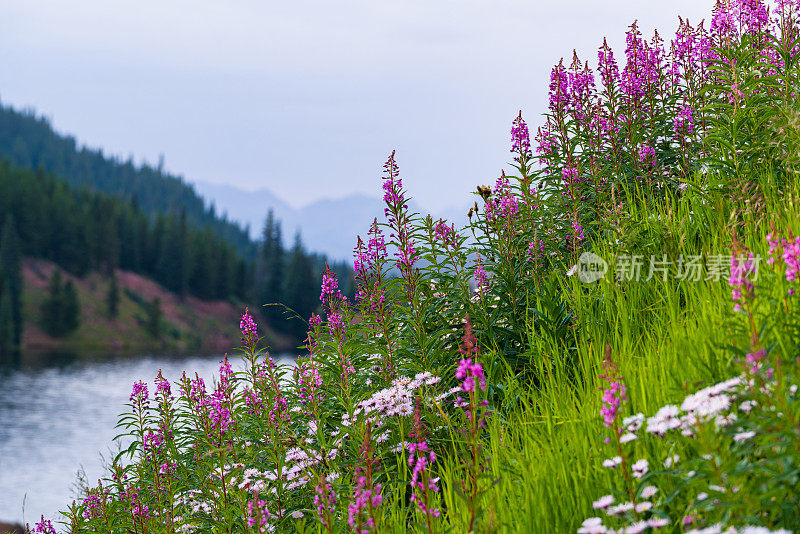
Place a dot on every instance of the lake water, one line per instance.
(57, 416)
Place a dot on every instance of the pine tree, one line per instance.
(272, 268)
(301, 287)
(51, 307)
(11, 276)
(71, 308)
(6, 323)
(61, 311)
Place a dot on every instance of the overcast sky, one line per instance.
(307, 97)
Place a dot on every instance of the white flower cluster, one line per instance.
(699, 407)
(190, 502)
(396, 400)
(594, 525)
(714, 403)
(719, 529)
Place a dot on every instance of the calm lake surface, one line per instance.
(57, 417)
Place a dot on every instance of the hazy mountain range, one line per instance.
(328, 225)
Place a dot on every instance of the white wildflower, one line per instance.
(593, 525)
(648, 492)
(657, 522)
(603, 502)
(643, 506)
(636, 528)
(640, 468)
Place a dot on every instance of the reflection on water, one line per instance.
(57, 416)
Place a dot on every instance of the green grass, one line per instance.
(669, 339)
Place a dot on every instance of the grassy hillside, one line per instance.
(187, 324)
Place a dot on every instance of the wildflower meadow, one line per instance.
(477, 383)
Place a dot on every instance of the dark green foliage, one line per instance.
(30, 142)
(61, 309)
(172, 262)
(71, 312)
(6, 323)
(270, 268)
(80, 231)
(301, 287)
(11, 282)
(153, 323)
(85, 211)
(112, 297)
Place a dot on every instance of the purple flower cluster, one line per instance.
(139, 392)
(325, 501)
(683, 124)
(643, 66)
(613, 396)
(395, 212)
(480, 276)
(92, 506)
(330, 288)
(577, 232)
(364, 498)
(45, 527)
(520, 139)
(739, 17)
(420, 459)
(392, 186)
(257, 515)
(581, 88)
(559, 88)
(789, 249)
(375, 253)
(446, 234)
(309, 382)
(249, 329)
(607, 66)
(163, 387)
(469, 372)
(503, 204)
(755, 358)
(742, 288)
(647, 156)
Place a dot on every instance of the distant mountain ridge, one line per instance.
(328, 225)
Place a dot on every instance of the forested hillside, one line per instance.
(86, 212)
(84, 231)
(30, 142)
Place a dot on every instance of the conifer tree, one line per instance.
(301, 287)
(51, 307)
(71, 308)
(7, 344)
(11, 277)
(272, 267)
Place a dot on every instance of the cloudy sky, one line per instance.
(307, 97)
